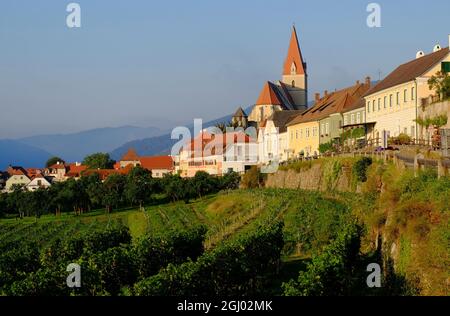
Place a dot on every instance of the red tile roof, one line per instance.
(16, 171)
(294, 56)
(156, 162)
(335, 102)
(206, 144)
(57, 166)
(131, 155)
(268, 96)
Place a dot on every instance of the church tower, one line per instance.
(294, 73)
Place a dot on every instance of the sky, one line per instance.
(156, 63)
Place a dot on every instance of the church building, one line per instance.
(289, 93)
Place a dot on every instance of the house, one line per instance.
(157, 165)
(17, 176)
(290, 93)
(56, 171)
(323, 121)
(75, 170)
(393, 104)
(217, 154)
(38, 182)
(273, 137)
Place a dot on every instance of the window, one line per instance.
(358, 118)
(398, 98)
(390, 100)
(301, 133)
(385, 102)
(373, 106)
(345, 120)
(293, 83)
(327, 128)
(352, 120)
(379, 104)
(368, 107)
(261, 112)
(296, 134)
(412, 93)
(323, 129)
(405, 96)
(307, 132)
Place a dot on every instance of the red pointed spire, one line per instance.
(294, 56)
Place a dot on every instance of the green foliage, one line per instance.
(360, 168)
(332, 271)
(401, 139)
(151, 253)
(253, 178)
(437, 121)
(440, 83)
(98, 161)
(328, 147)
(239, 267)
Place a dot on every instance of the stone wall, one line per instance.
(320, 177)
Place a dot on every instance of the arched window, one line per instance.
(293, 83)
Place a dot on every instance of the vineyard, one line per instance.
(239, 242)
(128, 251)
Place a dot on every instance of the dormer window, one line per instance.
(293, 69)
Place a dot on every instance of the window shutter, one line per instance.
(445, 66)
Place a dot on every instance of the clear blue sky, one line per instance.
(137, 61)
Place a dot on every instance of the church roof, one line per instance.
(240, 113)
(294, 56)
(275, 94)
(268, 95)
(131, 155)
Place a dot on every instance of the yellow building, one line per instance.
(322, 122)
(393, 104)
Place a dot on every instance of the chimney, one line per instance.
(317, 97)
(368, 81)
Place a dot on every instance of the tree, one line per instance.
(440, 83)
(54, 160)
(253, 178)
(93, 187)
(138, 187)
(113, 191)
(98, 161)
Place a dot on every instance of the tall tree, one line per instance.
(98, 161)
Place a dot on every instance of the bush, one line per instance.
(253, 178)
(331, 272)
(360, 168)
(240, 267)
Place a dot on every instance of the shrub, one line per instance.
(360, 168)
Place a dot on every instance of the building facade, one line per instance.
(392, 106)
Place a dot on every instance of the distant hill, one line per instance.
(161, 145)
(74, 147)
(17, 153)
